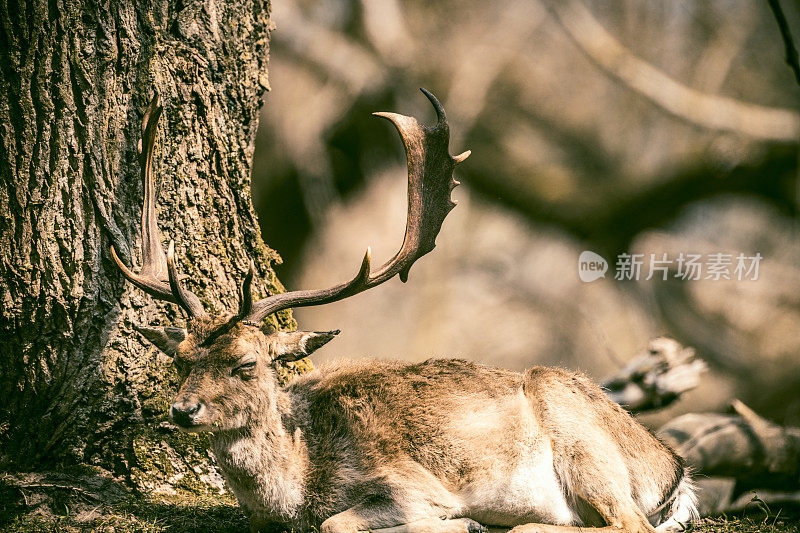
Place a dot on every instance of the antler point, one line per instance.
(364, 271)
(462, 156)
(440, 114)
(125, 270)
(387, 115)
(246, 293)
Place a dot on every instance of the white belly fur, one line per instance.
(528, 491)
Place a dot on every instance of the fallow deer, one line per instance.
(439, 446)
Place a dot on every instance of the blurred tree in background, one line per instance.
(635, 127)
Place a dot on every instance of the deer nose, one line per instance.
(184, 412)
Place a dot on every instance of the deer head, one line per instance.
(226, 361)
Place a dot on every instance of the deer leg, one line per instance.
(620, 520)
(613, 504)
(547, 528)
(436, 525)
(389, 518)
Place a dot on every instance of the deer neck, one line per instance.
(264, 462)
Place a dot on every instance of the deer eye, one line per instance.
(244, 367)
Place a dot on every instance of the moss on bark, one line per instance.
(77, 385)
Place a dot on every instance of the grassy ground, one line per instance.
(135, 515)
(163, 516)
(74, 511)
(748, 525)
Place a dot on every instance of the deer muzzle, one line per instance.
(187, 413)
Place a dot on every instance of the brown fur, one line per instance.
(360, 445)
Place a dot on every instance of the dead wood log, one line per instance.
(657, 377)
(736, 454)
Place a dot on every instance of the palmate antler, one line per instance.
(158, 276)
(430, 181)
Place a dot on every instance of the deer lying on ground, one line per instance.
(438, 446)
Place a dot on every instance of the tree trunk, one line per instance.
(77, 385)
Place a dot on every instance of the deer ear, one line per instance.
(294, 345)
(165, 339)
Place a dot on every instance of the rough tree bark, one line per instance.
(77, 385)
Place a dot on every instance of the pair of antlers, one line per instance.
(430, 181)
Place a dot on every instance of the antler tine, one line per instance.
(246, 293)
(441, 116)
(156, 266)
(245, 308)
(430, 181)
(186, 299)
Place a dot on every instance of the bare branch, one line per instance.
(704, 110)
(786, 36)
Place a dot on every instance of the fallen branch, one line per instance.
(733, 455)
(657, 377)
